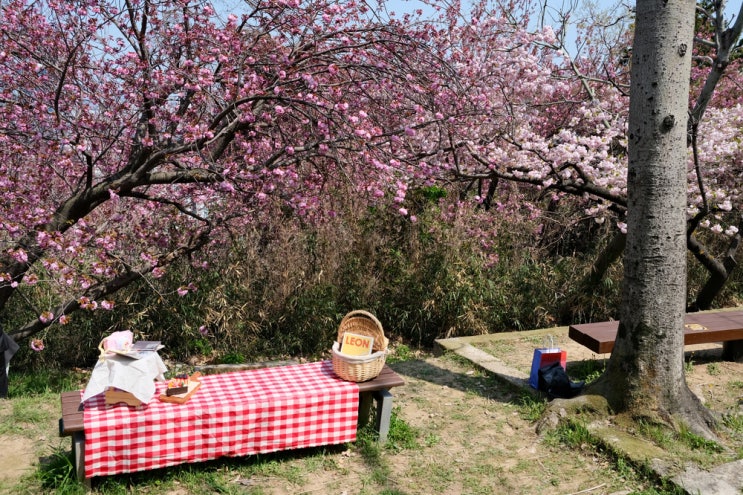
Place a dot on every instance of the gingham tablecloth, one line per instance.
(231, 414)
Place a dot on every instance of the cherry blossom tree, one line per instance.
(556, 123)
(573, 136)
(135, 133)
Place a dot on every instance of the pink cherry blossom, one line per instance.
(123, 154)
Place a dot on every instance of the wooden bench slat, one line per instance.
(722, 326)
(387, 379)
(72, 413)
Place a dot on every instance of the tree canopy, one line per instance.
(136, 133)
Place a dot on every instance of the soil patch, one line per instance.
(16, 457)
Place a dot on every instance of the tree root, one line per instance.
(591, 407)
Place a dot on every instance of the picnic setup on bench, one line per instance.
(129, 418)
(699, 328)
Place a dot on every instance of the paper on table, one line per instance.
(135, 376)
(147, 345)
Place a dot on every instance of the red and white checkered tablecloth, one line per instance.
(231, 414)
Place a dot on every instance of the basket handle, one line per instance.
(102, 355)
(357, 312)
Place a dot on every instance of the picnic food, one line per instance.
(178, 385)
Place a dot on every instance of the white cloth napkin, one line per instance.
(136, 376)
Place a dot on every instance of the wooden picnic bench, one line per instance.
(375, 390)
(700, 328)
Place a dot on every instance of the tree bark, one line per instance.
(645, 374)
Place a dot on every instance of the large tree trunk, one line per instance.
(645, 374)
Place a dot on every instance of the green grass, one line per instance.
(41, 382)
(689, 364)
(696, 442)
(531, 407)
(714, 369)
(27, 415)
(58, 473)
(571, 434)
(685, 445)
(400, 353)
(26, 410)
(587, 370)
(400, 437)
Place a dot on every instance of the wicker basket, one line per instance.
(360, 368)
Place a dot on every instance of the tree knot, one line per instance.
(668, 122)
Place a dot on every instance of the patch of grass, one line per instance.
(27, 415)
(401, 353)
(571, 434)
(473, 475)
(431, 439)
(496, 347)
(233, 358)
(457, 359)
(536, 341)
(58, 474)
(43, 382)
(689, 364)
(27, 410)
(695, 442)
(401, 436)
(734, 421)
(665, 488)
(682, 443)
(658, 434)
(587, 370)
(531, 407)
(713, 369)
(293, 473)
(438, 477)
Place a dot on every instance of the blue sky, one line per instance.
(732, 7)
(402, 6)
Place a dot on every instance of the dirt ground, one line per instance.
(472, 437)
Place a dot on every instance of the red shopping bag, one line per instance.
(545, 356)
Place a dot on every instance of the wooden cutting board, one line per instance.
(193, 385)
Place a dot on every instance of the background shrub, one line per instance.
(281, 289)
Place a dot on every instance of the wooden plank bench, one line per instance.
(700, 328)
(376, 390)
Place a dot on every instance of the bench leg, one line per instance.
(384, 413)
(365, 402)
(78, 457)
(732, 350)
